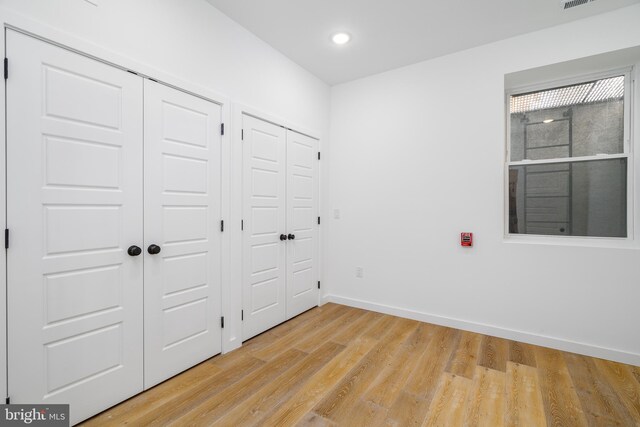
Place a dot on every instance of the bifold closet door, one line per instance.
(74, 199)
(302, 223)
(182, 146)
(264, 216)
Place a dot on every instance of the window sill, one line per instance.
(577, 241)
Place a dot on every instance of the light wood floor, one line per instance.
(337, 365)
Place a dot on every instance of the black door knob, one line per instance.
(154, 249)
(134, 251)
(283, 237)
(291, 236)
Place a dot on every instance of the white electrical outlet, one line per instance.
(336, 214)
(359, 272)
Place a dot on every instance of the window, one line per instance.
(568, 159)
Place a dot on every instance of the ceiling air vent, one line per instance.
(568, 4)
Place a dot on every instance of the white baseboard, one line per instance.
(511, 334)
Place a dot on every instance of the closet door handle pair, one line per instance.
(289, 237)
(135, 250)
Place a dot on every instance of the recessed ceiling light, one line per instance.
(341, 38)
(547, 120)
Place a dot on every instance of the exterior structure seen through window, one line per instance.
(569, 158)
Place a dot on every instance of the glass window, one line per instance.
(567, 160)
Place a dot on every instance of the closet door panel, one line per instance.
(182, 217)
(264, 194)
(302, 222)
(74, 199)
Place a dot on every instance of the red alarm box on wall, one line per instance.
(466, 239)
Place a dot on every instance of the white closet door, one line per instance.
(302, 223)
(264, 175)
(74, 198)
(182, 217)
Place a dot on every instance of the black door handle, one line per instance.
(283, 237)
(291, 236)
(154, 249)
(134, 251)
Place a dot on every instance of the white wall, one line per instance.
(195, 42)
(417, 157)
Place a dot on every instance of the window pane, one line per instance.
(580, 120)
(572, 199)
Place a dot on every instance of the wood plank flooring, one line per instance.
(341, 366)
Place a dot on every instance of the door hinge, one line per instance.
(6, 68)
(242, 224)
(242, 134)
(241, 314)
(318, 220)
(8, 400)
(222, 225)
(221, 128)
(6, 238)
(318, 284)
(222, 322)
(318, 155)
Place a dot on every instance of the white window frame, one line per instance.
(628, 154)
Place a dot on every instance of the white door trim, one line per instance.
(54, 36)
(3, 220)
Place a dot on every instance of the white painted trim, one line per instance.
(233, 302)
(570, 80)
(570, 159)
(3, 219)
(241, 109)
(577, 241)
(60, 38)
(225, 266)
(496, 331)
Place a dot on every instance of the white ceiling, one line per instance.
(392, 33)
